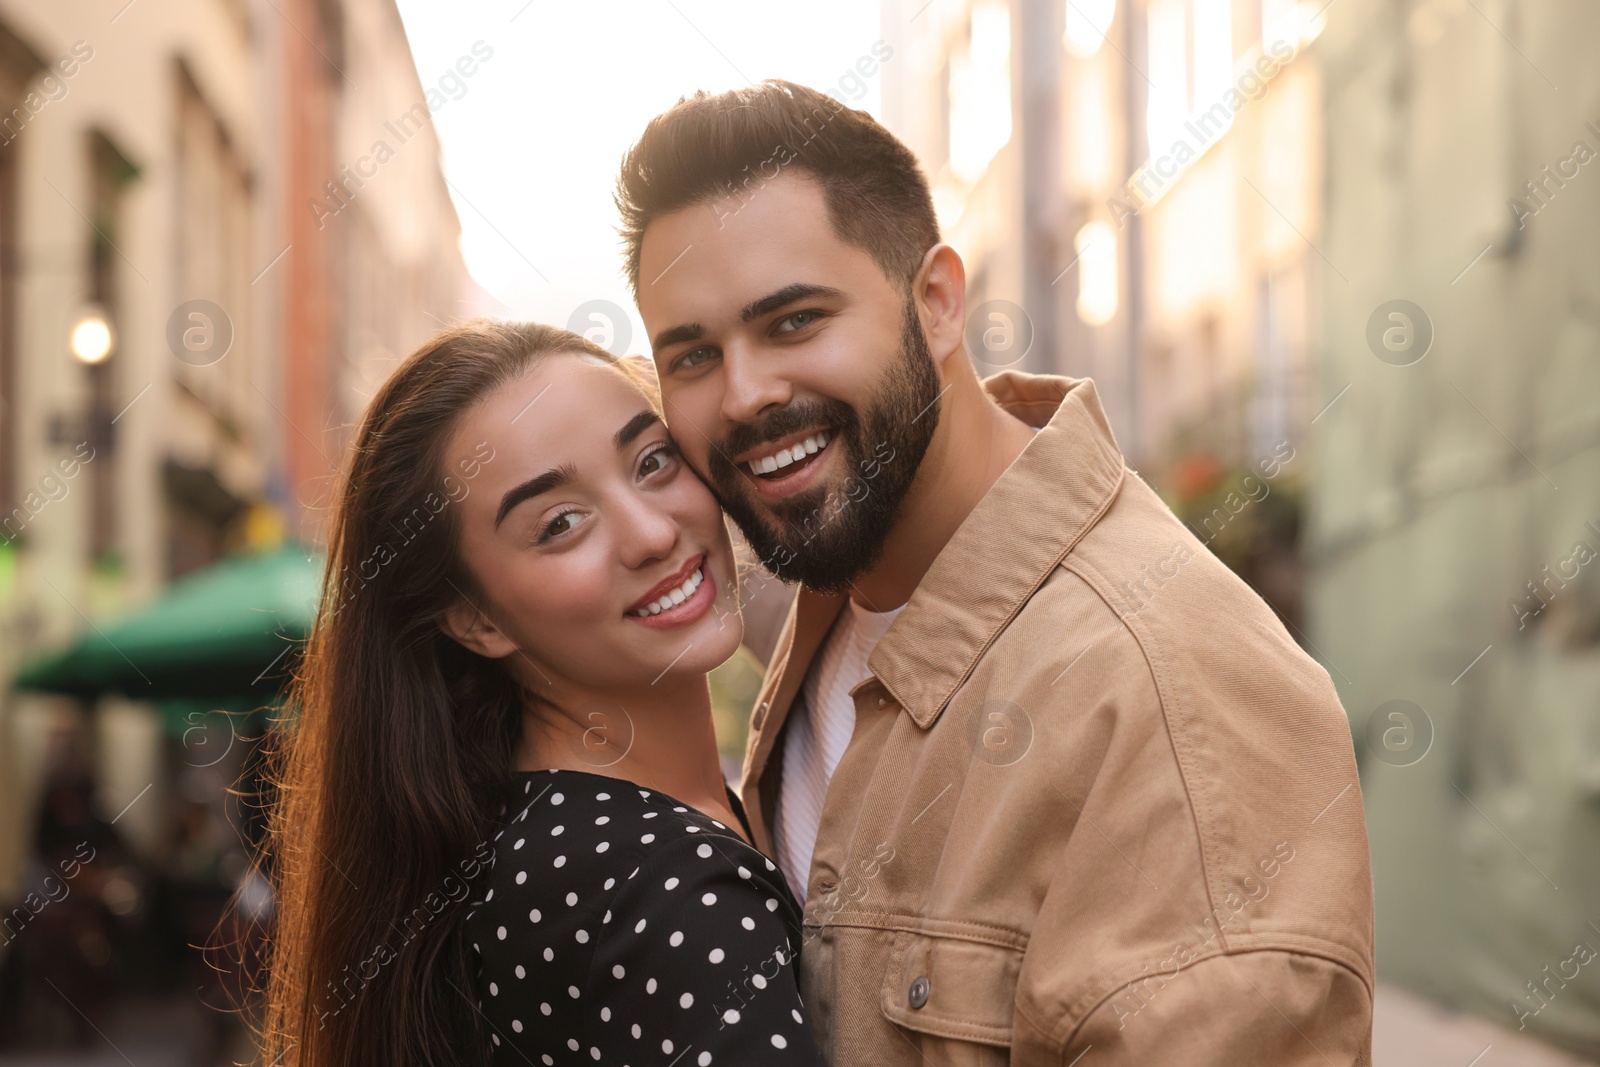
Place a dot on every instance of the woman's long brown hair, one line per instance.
(397, 755)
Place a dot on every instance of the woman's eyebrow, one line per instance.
(634, 427)
(554, 478)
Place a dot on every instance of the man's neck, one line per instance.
(975, 442)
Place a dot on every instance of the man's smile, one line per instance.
(794, 448)
(783, 468)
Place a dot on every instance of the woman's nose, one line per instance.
(647, 532)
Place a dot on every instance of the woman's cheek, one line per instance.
(697, 509)
(575, 589)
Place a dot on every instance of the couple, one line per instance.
(1032, 778)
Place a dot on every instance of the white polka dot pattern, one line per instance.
(662, 940)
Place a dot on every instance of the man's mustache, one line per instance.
(784, 421)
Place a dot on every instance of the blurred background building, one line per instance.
(203, 271)
(1295, 248)
(1137, 190)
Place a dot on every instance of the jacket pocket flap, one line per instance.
(952, 987)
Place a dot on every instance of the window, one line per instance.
(1168, 104)
(980, 92)
(1088, 22)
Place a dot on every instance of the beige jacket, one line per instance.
(1099, 808)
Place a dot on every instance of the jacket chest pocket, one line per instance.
(953, 988)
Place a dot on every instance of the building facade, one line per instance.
(187, 331)
(1134, 187)
(1454, 523)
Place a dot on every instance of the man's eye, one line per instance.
(798, 321)
(692, 358)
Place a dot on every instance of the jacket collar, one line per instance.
(1020, 530)
(1022, 527)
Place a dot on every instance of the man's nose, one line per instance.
(752, 382)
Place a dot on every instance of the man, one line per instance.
(1054, 785)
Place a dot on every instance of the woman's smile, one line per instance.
(681, 603)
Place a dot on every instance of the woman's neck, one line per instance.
(661, 738)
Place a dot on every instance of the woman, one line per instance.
(503, 833)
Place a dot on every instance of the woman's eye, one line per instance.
(798, 321)
(657, 459)
(558, 525)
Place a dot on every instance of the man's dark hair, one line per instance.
(709, 146)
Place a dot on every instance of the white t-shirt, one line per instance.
(819, 728)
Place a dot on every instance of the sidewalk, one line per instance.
(1408, 1031)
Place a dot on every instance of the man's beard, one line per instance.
(826, 537)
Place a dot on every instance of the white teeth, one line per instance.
(674, 598)
(783, 457)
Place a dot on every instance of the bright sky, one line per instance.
(533, 141)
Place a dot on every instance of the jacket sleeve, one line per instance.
(1269, 1007)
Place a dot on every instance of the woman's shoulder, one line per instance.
(574, 835)
(616, 919)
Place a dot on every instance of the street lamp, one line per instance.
(91, 336)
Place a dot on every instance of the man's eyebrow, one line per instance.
(634, 427)
(787, 295)
(554, 478)
(689, 331)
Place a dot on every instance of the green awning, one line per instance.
(228, 631)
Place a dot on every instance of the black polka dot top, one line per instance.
(620, 926)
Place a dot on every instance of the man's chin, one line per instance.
(788, 521)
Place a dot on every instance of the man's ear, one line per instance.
(473, 630)
(940, 290)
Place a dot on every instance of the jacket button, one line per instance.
(918, 995)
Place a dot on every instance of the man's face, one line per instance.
(772, 335)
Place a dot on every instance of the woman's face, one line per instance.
(605, 559)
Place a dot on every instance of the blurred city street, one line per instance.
(1408, 1032)
(1334, 268)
